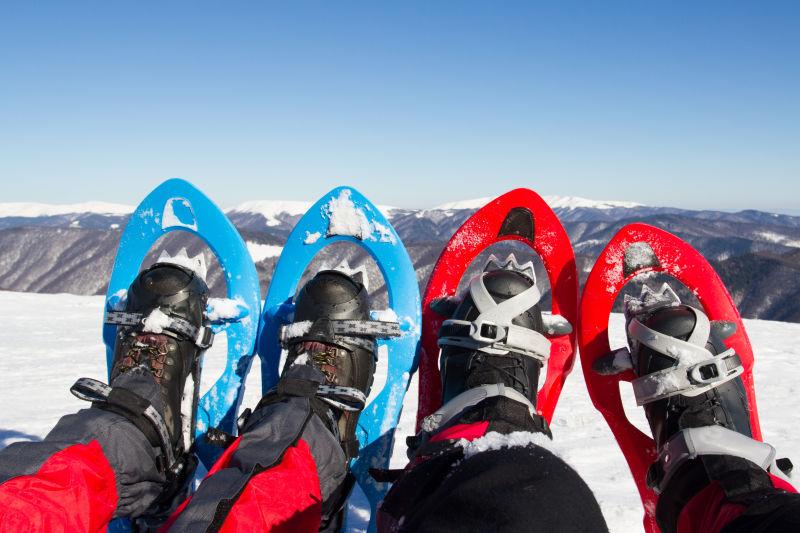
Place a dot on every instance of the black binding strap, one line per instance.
(136, 409)
(202, 336)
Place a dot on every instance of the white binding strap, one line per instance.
(497, 318)
(471, 397)
(711, 440)
(697, 369)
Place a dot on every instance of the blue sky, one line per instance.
(690, 104)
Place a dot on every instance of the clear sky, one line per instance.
(689, 104)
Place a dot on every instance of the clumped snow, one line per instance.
(496, 441)
(345, 218)
(221, 309)
(311, 238)
(67, 333)
(639, 255)
(297, 329)
(156, 322)
(556, 324)
(118, 300)
(384, 232)
(197, 263)
(384, 315)
(171, 219)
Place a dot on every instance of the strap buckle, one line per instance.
(719, 368)
(487, 331)
(205, 338)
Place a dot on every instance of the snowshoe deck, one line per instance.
(345, 215)
(176, 205)
(634, 250)
(519, 215)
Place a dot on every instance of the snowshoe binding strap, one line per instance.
(697, 370)
(202, 337)
(136, 409)
(492, 331)
(344, 398)
(361, 333)
(470, 397)
(691, 443)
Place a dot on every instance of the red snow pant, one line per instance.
(75, 490)
(287, 472)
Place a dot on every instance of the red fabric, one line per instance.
(73, 490)
(221, 463)
(285, 498)
(709, 511)
(781, 484)
(462, 431)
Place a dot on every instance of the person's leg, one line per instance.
(710, 474)
(289, 469)
(123, 455)
(481, 462)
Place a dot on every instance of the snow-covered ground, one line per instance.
(47, 341)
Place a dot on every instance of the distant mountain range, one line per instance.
(70, 248)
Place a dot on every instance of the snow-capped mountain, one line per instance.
(555, 202)
(47, 248)
(33, 210)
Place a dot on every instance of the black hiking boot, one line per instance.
(161, 336)
(695, 402)
(467, 362)
(171, 300)
(332, 332)
(493, 350)
(723, 405)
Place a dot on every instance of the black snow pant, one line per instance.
(510, 489)
(518, 488)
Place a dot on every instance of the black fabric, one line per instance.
(743, 482)
(504, 415)
(773, 511)
(131, 406)
(511, 489)
(690, 479)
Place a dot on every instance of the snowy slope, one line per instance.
(47, 341)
